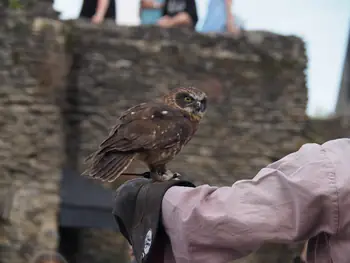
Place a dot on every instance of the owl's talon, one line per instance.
(169, 175)
(176, 176)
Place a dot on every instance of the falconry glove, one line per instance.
(137, 211)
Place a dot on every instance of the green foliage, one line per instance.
(15, 4)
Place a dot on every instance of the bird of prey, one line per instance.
(152, 132)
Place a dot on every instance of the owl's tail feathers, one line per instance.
(109, 166)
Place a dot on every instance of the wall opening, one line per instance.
(69, 243)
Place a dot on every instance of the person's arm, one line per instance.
(290, 200)
(150, 4)
(180, 19)
(191, 10)
(230, 20)
(102, 6)
(229, 16)
(186, 18)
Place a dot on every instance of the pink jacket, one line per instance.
(305, 195)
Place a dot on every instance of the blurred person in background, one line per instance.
(179, 13)
(98, 10)
(151, 11)
(219, 18)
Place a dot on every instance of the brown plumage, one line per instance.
(152, 132)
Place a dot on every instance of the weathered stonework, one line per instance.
(257, 100)
(256, 87)
(319, 130)
(31, 134)
(100, 246)
(62, 86)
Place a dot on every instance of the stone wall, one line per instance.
(31, 153)
(320, 130)
(101, 246)
(64, 84)
(256, 88)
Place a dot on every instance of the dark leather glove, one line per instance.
(137, 211)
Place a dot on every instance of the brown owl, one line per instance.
(152, 132)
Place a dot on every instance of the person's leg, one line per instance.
(88, 9)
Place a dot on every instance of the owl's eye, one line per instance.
(188, 99)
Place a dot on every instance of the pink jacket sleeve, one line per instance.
(293, 199)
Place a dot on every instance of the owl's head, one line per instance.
(191, 100)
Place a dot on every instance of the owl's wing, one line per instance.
(148, 126)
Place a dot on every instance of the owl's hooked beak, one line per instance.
(198, 106)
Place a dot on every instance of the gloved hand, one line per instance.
(137, 211)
